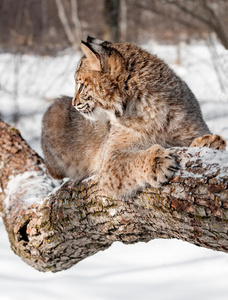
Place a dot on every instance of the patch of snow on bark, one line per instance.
(112, 211)
(93, 177)
(31, 187)
(215, 162)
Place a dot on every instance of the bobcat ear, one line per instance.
(100, 52)
(95, 54)
(103, 58)
(92, 57)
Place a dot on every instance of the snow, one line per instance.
(89, 178)
(157, 270)
(160, 269)
(112, 211)
(215, 157)
(210, 159)
(34, 187)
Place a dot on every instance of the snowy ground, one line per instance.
(160, 269)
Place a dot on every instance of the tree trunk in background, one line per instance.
(52, 230)
(73, 33)
(111, 17)
(123, 20)
(76, 21)
(17, 65)
(218, 67)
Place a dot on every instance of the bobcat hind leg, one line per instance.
(210, 141)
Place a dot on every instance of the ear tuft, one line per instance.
(94, 41)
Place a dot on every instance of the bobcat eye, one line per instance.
(81, 85)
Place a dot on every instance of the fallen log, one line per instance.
(52, 226)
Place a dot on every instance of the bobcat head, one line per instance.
(98, 94)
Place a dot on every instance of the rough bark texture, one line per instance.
(53, 231)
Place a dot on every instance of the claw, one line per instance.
(173, 169)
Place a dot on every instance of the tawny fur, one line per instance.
(130, 106)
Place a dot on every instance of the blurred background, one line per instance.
(48, 26)
(40, 48)
(39, 52)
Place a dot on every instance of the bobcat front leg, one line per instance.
(124, 172)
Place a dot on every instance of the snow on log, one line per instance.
(52, 226)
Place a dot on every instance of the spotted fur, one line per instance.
(128, 108)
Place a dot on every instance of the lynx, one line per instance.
(129, 107)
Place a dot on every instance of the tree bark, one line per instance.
(52, 229)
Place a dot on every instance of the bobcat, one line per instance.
(128, 108)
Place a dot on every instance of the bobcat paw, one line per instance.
(210, 141)
(160, 166)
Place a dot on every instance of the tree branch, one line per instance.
(53, 231)
(71, 35)
(190, 12)
(210, 19)
(76, 21)
(165, 14)
(201, 11)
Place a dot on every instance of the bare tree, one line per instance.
(55, 24)
(111, 17)
(210, 13)
(123, 20)
(73, 33)
(17, 64)
(52, 230)
(75, 20)
(219, 68)
(194, 15)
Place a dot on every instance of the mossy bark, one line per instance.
(59, 229)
